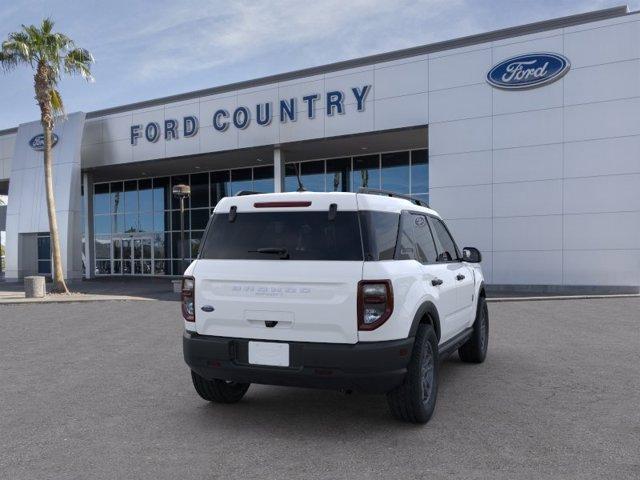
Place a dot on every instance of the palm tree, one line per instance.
(49, 54)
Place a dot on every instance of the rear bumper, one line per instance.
(369, 367)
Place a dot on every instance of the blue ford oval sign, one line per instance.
(37, 142)
(528, 71)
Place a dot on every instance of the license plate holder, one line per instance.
(271, 354)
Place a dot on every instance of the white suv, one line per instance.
(350, 291)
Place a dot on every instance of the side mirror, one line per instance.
(471, 255)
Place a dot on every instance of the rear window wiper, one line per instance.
(283, 252)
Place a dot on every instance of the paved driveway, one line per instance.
(99, 390)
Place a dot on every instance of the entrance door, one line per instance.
(132, 255)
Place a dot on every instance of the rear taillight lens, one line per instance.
(375, 303)
(188, 299)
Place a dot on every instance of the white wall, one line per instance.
(545, 181)
(27, 209)
(6, 153)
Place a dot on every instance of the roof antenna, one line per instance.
(300, 185)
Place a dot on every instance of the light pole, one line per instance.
(181, 192)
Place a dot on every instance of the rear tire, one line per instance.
(415, 400)
(475, 349)
(219, 391)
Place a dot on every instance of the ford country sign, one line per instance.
(528, 71)
(37, 142)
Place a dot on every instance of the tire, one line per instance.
(475, 349)
(219, 391)
(415, 400)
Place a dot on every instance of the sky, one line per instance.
(149, 49)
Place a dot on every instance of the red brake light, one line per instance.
(281, 204)
(375, 303)
(188, 299)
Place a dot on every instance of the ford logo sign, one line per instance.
(37, 142)
(528, 71)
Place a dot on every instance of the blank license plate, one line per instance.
(269, 353)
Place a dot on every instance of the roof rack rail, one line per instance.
(242, 193)
(387, 193)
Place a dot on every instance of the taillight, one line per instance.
(188, 299)
(375, 303)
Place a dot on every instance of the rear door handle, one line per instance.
(460, 277)
(436, 281)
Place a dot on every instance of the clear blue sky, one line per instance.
(148, 49)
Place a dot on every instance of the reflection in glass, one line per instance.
(420, 171)
(117, 248)
(175, 220)
(145, 195)
(161, 194)
(130, 222)
(290, 177)
(395, 172)
(241, 180)
(117, 268)
(160, 221)
(116, 197)
(199, 218)
(196, 237)
(146, 222)
(219, 186)
(366, 172)
(103, 247)
(126, 248)
(200, 190)
(338, 170)
(101, 224)
(103, 267)
(117, 223)
(263, 179)
(101, 198)
(158, 245)
(312, 174)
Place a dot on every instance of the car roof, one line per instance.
(318, 201)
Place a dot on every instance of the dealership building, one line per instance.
(526, 140)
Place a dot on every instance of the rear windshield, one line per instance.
(284, 236)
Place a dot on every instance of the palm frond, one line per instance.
(78, 61)
(56, 102)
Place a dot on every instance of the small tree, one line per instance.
(49, 55)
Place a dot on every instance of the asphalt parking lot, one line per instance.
(99, 390)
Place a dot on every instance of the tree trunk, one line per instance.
(46, 118)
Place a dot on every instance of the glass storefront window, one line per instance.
(366, 172)
(290, 177)
(199, 218)
(101, 198)
(161, 194)
(263, 179)
(312, 174)
(219, 186)
(143, 212)
(131, 196)
(338, 175)
(117, 191)
(419, 171)
(145, 195)
(200, 190)
(102, 224)
(395, 172)
(103, 247)
(241, 179)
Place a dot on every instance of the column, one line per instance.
(278, 170)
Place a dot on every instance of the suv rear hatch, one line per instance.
(281, 267)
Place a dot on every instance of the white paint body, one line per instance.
(316, 301)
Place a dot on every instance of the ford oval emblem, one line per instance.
(528, 71)
(37, 142)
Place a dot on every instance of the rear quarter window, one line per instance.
(379, 234)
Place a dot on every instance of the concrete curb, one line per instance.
(71, 299)
(560, 297)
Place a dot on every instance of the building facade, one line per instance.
(526, 140)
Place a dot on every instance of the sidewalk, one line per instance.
(124, 289)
